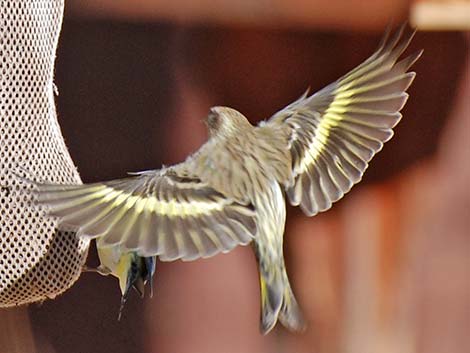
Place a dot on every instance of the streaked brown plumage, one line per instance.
(231, 191)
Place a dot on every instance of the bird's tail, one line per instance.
(278, 301)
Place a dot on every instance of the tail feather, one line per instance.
(271, 303)
(290, 315)
(278, 302)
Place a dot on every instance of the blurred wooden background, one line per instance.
(387, 270)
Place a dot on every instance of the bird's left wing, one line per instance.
(335, 132)
(166, 213)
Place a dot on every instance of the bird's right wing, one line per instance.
(335, 132)
(166, 213)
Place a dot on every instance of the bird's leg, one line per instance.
(102, 270)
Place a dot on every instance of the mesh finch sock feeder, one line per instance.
(36, 261)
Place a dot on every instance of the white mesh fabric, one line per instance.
(35, 263)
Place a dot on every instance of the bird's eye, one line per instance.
(213, 120)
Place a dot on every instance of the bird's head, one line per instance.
(224, 121)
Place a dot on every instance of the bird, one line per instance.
(132, 270)
(233, 190)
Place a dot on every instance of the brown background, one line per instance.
(132, 95)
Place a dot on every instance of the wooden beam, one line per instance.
(433, 15)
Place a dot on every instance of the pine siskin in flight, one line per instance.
(231, 191)
(132, 270)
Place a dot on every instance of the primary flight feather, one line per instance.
(231, 191)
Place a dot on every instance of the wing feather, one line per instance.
(335, 132)
(165, 213)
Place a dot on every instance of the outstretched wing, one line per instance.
(165, 213)
(335, 132)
